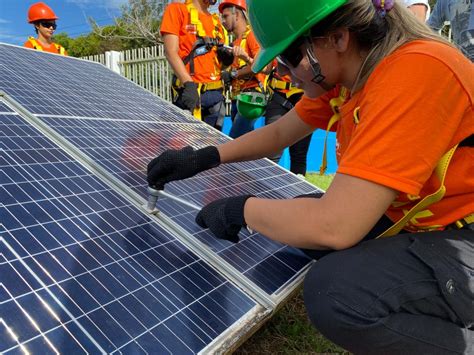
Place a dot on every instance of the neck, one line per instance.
(240, 28)
(200, 5)
(43, 39)
(352, 73)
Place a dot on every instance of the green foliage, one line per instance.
(289, 332)
(137, 27)
(321, 181)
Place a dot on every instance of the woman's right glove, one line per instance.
(180, 164)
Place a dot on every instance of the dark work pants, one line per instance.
(212, 107)
(407, 294)
(299, 150)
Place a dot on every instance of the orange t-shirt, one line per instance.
(415, 106)
(52, 48)
(176, 20)
(252, 47)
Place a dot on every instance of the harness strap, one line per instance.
(202, 38)
(440, 171)
(463, 222)
(335, 103)
(282, 101)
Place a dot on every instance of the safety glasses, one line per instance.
(48, 24)
(292, 56)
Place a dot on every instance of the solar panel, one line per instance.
(66, 86)
(84, 270)
(124, 148)
(102, 127)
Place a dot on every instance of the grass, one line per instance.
(290, 331)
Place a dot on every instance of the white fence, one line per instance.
(146, 67)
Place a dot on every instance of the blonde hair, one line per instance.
(377, 34)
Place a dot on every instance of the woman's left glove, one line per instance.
(224, 217)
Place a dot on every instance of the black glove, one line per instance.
(225, 56)
(180, 164)
(224, 217)
(190, 96)
(226, 78)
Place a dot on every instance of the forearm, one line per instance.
(290, 222)
(338, 220)
(244, 72)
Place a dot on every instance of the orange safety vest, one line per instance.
(38, 46)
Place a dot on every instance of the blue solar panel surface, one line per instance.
(83, 270)
(74, 88)
(121, 127)
(125, 147)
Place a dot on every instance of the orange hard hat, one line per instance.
(40, 11)
(226, 3)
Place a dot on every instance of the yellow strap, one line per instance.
(440, 171)
(197, 111)
(277, 84)
(466, 220)
(194, 18)
(213, 85)
(35, 43)
(60, 49)
(335, 103)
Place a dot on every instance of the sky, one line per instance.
(73, 15)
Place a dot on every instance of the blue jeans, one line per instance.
(213, 108)
(240, 124)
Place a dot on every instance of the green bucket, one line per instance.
(251, 105)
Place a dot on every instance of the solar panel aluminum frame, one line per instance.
(268, 301)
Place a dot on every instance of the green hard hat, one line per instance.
(278, 23)
(251, 105)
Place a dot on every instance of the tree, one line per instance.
(138, 26)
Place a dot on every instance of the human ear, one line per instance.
(340, 39)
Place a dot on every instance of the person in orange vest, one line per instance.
(245, 48)
(43, 19)
(194, 42)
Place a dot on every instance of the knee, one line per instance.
(331, 315)
(317, 300)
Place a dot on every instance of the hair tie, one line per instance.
(383, 6)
